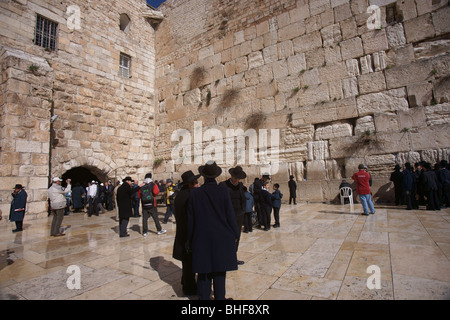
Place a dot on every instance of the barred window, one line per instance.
(124, 65)
(45, 33)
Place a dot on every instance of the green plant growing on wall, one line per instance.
(157, 162)
(33, 69)
(208, 98)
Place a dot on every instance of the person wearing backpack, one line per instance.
(147, 194)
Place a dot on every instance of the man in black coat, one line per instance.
(430, 185)
(212, 233)
(397, 179)
(190, 181)
(18, 206)
(237, 195)
(292, 190)
(124, 198)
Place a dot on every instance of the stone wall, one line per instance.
(105, 122)
(340, 90)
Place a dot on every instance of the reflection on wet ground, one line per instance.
(321, 251)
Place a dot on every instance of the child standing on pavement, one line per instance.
(276, 201)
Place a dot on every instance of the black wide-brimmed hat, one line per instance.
(238, 173)
(210, 170)
(18, 186)
(189, 177)
(127, 179)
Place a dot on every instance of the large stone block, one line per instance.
(386, 122)
(374, 41)
(371, 82)
(412, 118)
(329, 131)
(396, 35)
(351, 48)
(296, 63)
(441, 20)
(310, 190)
(387, 101)
(364, 125)
(315, 170)
(331, 35)
(441, 90)
(438, 114)
(426, 6)
(307, 42)
(407, 9)
(420, 94)
(415, 34)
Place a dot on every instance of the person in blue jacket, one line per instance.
(249, 202)
(18, 206)
(212, 233)
(276, 203)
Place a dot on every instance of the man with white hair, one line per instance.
(56, 194)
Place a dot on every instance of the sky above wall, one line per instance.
(155, 3)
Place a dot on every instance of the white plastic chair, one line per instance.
(346, 192)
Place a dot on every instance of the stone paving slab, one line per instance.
(321, 251)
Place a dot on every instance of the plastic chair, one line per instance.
(346, 192)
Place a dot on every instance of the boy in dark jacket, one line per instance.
(276, 202)
(249, 202)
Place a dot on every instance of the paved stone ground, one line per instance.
(321, 251)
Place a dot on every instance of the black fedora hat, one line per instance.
(210, 170)
(238, 173)
(189, 177)
(18, 186)
(127, 179)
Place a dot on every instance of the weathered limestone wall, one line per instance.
(105, 122)
(340, 91)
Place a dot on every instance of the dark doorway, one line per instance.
(83, 175)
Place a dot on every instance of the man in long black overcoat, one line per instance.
(212, 232)
(236, 189)
(190, 181)
(124, 194)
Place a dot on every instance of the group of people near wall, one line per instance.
(209, 219)
(422, 184)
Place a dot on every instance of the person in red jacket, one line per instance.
(362, 179)
(149, 191)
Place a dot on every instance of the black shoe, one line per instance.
(240, 263)
(17, 230)
(276, 225)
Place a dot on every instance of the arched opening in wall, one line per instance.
(125, 22)
(84, 175)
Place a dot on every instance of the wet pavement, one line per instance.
(321, 251)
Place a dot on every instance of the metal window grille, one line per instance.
(124, 65)
(45, 33)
